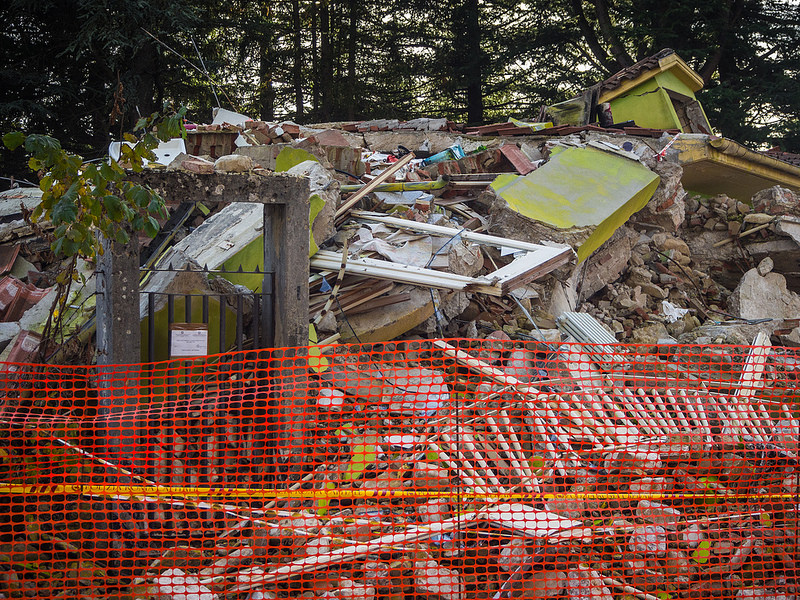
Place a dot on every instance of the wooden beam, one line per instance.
(342, 211)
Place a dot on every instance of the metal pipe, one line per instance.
(401, 186)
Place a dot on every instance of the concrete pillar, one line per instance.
(118, 343)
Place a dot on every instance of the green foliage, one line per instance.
(86, 201)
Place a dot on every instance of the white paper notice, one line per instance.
(188, 342)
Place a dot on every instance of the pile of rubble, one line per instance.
(466, 236)
(659, 266)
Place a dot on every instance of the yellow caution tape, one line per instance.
(148, 491)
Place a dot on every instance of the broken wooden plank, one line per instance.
(344, 209)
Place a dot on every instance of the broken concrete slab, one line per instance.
(580, 196)
(764, 297)
(428, 141)
(390, 322)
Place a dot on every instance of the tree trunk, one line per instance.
(315, 101)
(591, 38)
(474, 74)
(326, 60)
(607, 29)
(351, 60)
(298, 61)
(266, 93)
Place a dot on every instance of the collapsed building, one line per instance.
(667, 233)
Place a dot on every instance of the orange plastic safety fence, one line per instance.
(455, 469)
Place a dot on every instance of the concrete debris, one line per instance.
(431, 578)
(175, 584)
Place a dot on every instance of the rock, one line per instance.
(175, 584)
(230, 561)
(649, 334)
(194, 164)
(514, 554)
(297, 526)
(464, 258)
(760, 594)
(377, 574)
(658, 514)
(262, 595)
(776, 201)
(427, 476)
(584, 583)
(666, 242)
(639, 276)
(734, 227)
(520, 365)
(764, 297)
(648, 539)
(786, 432)
(646, 574)
(353, 590)
(765, 266)
(654, 291)
(432, 578)
(693, 535)
(233, 163)
(540, 584)
(433, 511)
(608, 262)
(318, 546)
(632, 460)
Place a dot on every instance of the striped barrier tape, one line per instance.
(148, 491)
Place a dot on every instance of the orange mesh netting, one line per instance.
(459, 469)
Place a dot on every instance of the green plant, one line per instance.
(87, 202)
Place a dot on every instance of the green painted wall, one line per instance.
(668, 80)
(581, 187)
(647, 106)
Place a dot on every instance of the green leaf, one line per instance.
(43, 146)
(14, 139)
(151, 226)
(139, 196)
(703, 552)
(121, 236)
(66, 210)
